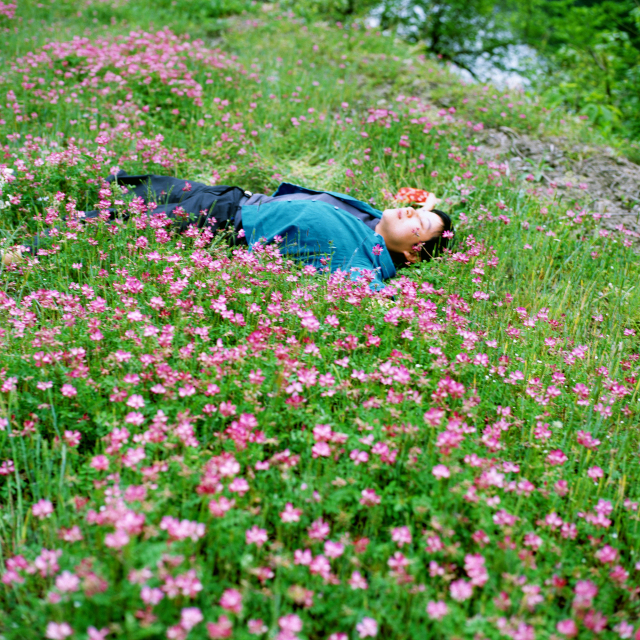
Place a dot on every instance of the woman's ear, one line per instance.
(411, 256)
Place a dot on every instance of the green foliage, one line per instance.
(332, 9)
(459, 31)
(587, 53)
(537, 298)
(591, 55)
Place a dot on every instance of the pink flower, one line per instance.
(359, 457)
(135, 493)
(7, 468)
(595, 472)
(116, 540)
(532, 540)
(303, 557)
(401, 536)
(182, 529)
(332, 321)
(190, 617)
(257, 627)
(47, 562)
(607, 555)
(239, 486)
(437, 610)
(319, 530)
(290, 514)
(186, 584)
(567, 628)
(151, 595)
(585, 592)
(68, 391)
(440, 471)
(368, 628)
(357, 581)
(595, 621)
(72, 438)
(136, 402)
(309, 321)
(619, 574)
(140, 576)
(291, 623)
(263, 574)
(474, 566)
(320, 450)
(587, 440)
(42, 509)
(434, 544)
(434, 416)
(460, 590)
(556, 457)
(218, 507)
(227, 409)
(320, 566)
(72, 534)
(97, 634)
(231, 600)
(132, 457)
(256, 536)
(504, 518)
(398, 561)
(583, 392)
(58, 631)
(220, 629)
(369, 498)
(333, 549)
(134, 417)
(9, 384)
(553, 521)
(624, 630)
(67, 582)
(176, 632)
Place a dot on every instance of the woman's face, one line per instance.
(406, 227)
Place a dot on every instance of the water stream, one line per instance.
(515, 59)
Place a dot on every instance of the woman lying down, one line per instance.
(312, 225)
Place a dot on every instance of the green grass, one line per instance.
(547, 296)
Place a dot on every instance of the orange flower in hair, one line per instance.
(409, 194)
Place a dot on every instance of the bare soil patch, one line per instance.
(612, 181)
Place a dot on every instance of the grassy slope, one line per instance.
(570, 269)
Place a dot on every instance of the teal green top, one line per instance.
(314, 230)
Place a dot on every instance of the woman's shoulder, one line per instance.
(286, 188)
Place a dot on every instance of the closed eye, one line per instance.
(422, 224)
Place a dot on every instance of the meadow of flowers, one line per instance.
(204, 442)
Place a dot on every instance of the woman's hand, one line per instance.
(431, 202)
(12, 255)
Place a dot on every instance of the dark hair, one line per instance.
(432, 248)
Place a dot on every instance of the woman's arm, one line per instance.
(12, 255)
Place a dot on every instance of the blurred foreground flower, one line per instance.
(368, 628)
(58, 631)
